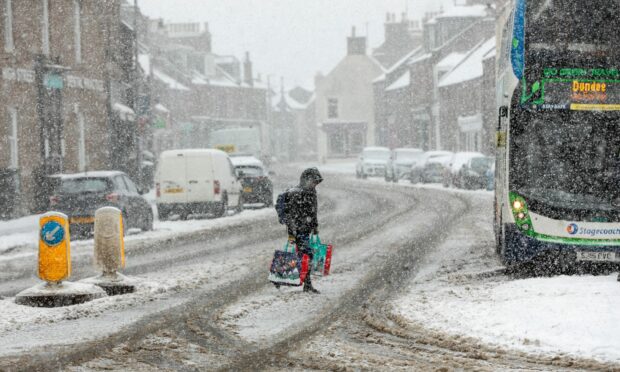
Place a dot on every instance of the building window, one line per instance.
(8, 26)
(77, 30)
(45, 28)
(13, 140)
(332, 108)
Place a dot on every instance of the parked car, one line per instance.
(196, 182)
(473, 175)
(434, 169)
(372, 162)
(459, 159)
(399, 165)
(80, 195)
(490, 175)
(255, 182)
(417, 167)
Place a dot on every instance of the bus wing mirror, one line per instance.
(503, 112)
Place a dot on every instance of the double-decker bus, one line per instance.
(558, 134)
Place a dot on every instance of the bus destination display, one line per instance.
(579, 89)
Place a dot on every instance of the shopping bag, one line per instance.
(288, 267)
(322, 256)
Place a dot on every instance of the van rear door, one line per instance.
(199, 178)
(171, 175)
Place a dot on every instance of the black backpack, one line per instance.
(281, 207)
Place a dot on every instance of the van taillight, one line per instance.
(216, 187)
(157, 190)
(113, 197)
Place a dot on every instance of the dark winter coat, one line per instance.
(301, 210)
(301, 204)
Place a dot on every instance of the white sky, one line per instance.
(290, 38)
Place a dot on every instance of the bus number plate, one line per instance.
(598, 256)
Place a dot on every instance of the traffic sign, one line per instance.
(54, 247)
(52, 233)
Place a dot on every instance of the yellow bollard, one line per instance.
(54, 247)
(55, 268)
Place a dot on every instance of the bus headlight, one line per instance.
(517, 205)
(521, 213)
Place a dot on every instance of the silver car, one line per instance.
(400, 163)
(372, 162)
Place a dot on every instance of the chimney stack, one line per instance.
(356, 45)
(247, 70)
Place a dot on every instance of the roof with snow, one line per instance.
(460, 11)
(450, 61)
(145, 63)
(246, 161)
(96, 174)
(402, 82)
(420, 58)
(290, 102)
(168, 80)
(406, 58)
(471, 67)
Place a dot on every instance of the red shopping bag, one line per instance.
(328, 260)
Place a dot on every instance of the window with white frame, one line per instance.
(332, 108)
(77, 30)
(45, 28)
(9, 44)
(13, 138)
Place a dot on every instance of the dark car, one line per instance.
(256, 187)
(80, 195)
(434, 170)
(474, 174)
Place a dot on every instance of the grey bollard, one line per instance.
(110, 252)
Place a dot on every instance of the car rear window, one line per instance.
(84, 185)
(250, 171)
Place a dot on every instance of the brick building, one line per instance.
(59, 97)
(203, 91)
(409, 107)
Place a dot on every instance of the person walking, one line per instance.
(300, 208)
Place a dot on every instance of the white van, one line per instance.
(196, 181)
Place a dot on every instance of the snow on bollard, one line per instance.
(110, 253)
(55, 267)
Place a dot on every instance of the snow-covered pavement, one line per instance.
(461, 290)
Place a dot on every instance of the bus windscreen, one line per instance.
(580, 25)
(567, 159)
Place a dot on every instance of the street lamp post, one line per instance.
(136, 98)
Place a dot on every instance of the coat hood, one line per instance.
(310, 174)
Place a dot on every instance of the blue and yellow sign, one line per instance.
(52, 233)
(54, 247)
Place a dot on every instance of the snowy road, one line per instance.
(205, 302)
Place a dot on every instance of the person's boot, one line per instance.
(309, 288)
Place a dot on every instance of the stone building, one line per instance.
(201, 90)
(344, 103)
(467, 100)
(60, 64)
(409, 109)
